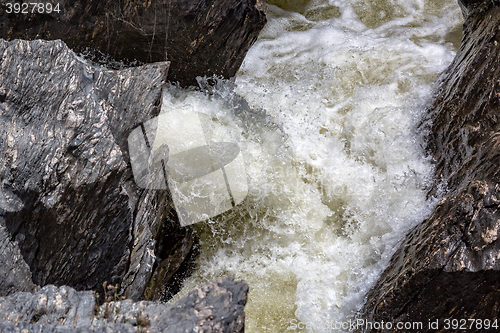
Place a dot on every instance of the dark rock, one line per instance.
(15, 274)
(449, 265)
(216, 306)
(215, 38)
(68, 201)
(198, 37)
(468, 5)
(181, 250)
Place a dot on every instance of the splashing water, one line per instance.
(336, 169)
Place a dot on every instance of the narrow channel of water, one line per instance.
(336, 169)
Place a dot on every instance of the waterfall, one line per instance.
(325, 108)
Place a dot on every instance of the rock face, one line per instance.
(218, 34)
(198, 37)
(449, 265)
(211, 307)
(69, 208)
(15, 274)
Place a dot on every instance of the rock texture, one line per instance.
(179, 252)
(198, 37)
(69, 208)
(15, 274)
(211, 307)
(216, 36)
(449, 265)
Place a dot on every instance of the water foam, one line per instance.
(336, 170)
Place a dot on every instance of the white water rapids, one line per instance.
(336, 169)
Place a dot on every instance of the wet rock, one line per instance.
(215, 38)
(68, 202)
(468, 5)
(198, 37)
(216, 306)
(449, 265)
(179, 254)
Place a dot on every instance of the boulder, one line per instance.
(448, 267)
(200, 38)
(211, 37)
(216, 306)
(70, 212)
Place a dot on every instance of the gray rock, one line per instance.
(449, 265)
(61, 307)
(67, 195)
(469, 5)
(211, 307)
(216, 306)
(8, 327)
(199, 37)
(15, 274)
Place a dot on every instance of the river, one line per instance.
(336, 169)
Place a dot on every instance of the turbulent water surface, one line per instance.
(336, 170)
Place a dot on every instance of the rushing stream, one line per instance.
(336, 169)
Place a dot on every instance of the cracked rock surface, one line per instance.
(449, 265)
(70, 212)
(215, 306)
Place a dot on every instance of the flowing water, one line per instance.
(336, 169)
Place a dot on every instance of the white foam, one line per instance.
(338, 177)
